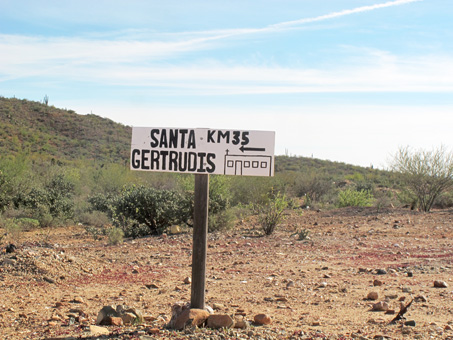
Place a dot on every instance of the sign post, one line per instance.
(202, 152)
(200, 241)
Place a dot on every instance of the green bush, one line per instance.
(28, 223)
(303, 234)
(4, 192)
(96, 219)
(96, 232)
(444, 201)
(270, 214)
(223, 220)
(53, 203)
(354, 198)
(141, 210)
(219, 191)
(312, 186)
(115, 236)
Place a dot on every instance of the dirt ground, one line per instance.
(56, 281)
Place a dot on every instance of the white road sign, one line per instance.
(210, 151)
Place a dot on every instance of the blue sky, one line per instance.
(344, 80)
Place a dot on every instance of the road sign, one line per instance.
(203, 151)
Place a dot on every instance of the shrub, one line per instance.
(354, 198)
(312, 186)
(94, 219)
(115, 236)
(303, 234)
(444, 201)
(95, 232)
(52, 203)
(270, 214)
(12, 228)
(28, 223)
(427, 174)
(223, 220)
(141, 210)
(219, 191)
(4, 192)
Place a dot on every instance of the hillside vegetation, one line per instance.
(36, 128)
(60, 167)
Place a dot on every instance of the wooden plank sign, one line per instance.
(203, 151)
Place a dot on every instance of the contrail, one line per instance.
(222, 34)
(341, 13)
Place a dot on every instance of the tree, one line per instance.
(427, 174)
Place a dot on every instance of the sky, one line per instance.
(343, 80)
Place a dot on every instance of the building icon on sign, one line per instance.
(248, 165)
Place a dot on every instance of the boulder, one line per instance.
(113, 321)
(372, 296)
(219, 321)
(190, 318)
(240, 322)
(128, 315)
(380, 306)
(440, 284)
(262, 319)
(104, 314)
(98, 331)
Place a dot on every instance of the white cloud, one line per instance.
(135, 62)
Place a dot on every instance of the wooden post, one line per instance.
(200, 240)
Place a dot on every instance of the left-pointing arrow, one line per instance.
(243, 148)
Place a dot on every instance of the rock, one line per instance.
(322, 285)
(290, 284)
(421, 298)
(377, 283)
(217, 306)
(372, 296)
(187, 280)
(97, 331)
(149, 318)
(262, 319)
(209, 309)
(410, 323)
(440, 284)
(151, 286)
(59, 304)
(381, 272)
(48, 279)
(153, 331)
(176, 310)
(136, 313)
(175, 229)
(380, 306)
(219, 321)
(10, 248)
(55, 318)
(190, 317)
(240, 323)
(78, 299)
(104, 314)
(129, 318)
(113, 321)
